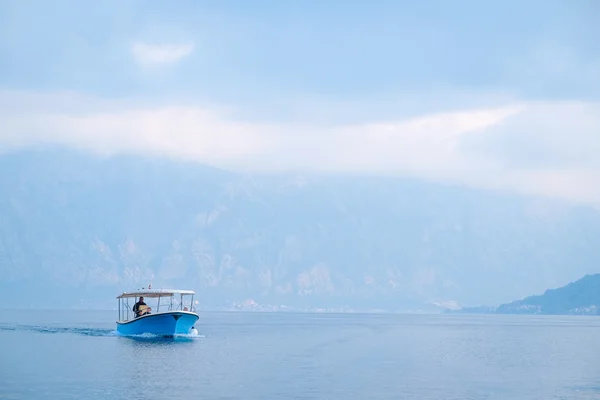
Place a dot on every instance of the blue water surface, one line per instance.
(77, 355)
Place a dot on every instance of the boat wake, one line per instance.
(58, 330)
(98, 332)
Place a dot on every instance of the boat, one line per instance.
(174, 312)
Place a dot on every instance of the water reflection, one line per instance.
(158, 340)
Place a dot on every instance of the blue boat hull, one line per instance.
(163, 324)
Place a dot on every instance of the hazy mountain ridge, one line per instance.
(581, 297)
(98, 226)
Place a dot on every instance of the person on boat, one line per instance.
(136, 308)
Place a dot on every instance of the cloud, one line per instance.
(147, 54)
(548, 135)
(539, 148)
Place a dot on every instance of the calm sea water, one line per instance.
(76, 355)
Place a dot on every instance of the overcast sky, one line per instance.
(488, 94)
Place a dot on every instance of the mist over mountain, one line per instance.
(76, 229)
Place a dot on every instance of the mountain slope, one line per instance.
(82, 228)
(579, 297)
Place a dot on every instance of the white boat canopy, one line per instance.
(155, 293)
